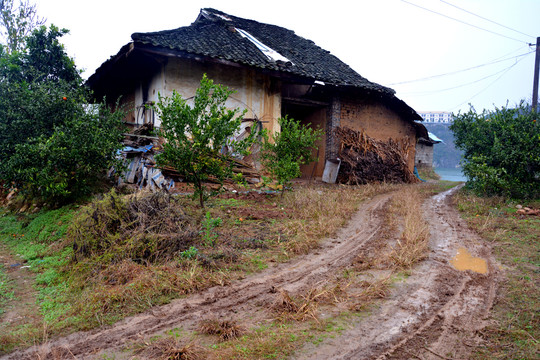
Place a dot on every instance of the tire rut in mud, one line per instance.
(436, 313)
(249, 297)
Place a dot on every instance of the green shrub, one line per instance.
(209, 224)
(289, 148)
(501, 151)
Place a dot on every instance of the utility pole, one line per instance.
(536, 71)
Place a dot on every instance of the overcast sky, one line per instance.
(386, 41)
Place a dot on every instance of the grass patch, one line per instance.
(514, 239)
(6, 289)
(276, 340)
(428, 173)
(38, 240)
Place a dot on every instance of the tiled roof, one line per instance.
(215, 34)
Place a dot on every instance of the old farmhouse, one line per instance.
(274, 73)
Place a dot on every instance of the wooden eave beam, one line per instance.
(305, 102)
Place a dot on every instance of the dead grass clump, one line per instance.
(55, 353)
(413, 243)
(225, 329)
(370, 291)
(146, 227)
(301, 309)
(170, 348)
(365, 261)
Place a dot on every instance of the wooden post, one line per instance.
(536, 71)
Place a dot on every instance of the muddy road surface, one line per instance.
(434, 313)
(437, 312)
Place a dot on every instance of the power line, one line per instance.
(463, 22)
(486, 19)
(462, 70)
(425, 93)
(487, 87)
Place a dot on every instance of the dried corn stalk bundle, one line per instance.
(365, 159)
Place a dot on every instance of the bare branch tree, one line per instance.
(17, 22)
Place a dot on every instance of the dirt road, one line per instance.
(434, 313)
(437, 312)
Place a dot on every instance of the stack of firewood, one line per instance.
(365, 159)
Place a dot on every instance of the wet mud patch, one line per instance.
(465, 261)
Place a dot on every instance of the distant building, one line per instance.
(441, 117)
(424, 151)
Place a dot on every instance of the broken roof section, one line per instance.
(270, 53)
(222, 36)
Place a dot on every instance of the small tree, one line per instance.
(501, 150)
(289, 148)
(196, 136)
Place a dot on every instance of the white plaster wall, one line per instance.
(253, 90)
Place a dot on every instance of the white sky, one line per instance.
(385, 41)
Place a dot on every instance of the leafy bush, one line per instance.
(66, 164)
(501, 151)
(53, 145)
(289, 148)
(195, 135)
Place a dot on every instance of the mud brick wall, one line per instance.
(379, 122)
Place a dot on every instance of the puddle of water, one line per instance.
(465, 261)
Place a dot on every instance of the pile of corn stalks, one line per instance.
(365, 159)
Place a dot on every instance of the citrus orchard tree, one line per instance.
(501, 150)
(53, 144)
(195, 136)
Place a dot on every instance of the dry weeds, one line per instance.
(301, 309)
(369, 292)
(413, 243)
(319, 211)
(145, 227)
(170, 348)
(225, 329)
